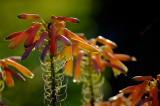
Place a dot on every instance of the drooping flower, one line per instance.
(7, 72)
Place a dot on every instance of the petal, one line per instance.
(27, 52)
(87, 47)
(17, 75)
(65, 40)
(68, 52)
(68, 68)
(121, 65)
(124, 57)
(9, 80)
(31, 33)
(78, 66)
(128, 89)
(13, 35)
(41, 39)
(20, 68)
(81, 42)
(100, 62)
(15, 58)
(154, 94)
(142, 78)
(75, 49)
(17, 40)
(95, 64)
(68, 19)
(44, 52)
(105, 41)
(27, 16)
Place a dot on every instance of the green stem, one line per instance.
(53, 85)
(92, 99)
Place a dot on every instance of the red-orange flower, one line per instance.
(38, 33)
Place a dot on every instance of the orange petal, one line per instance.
(68, 68)
(81, 42)
(9, 80)
(78, 66)
(67, 52)
(86, 46)
(136, 95)
(105, 41)
(20, 68)
(75, 49)
(27, 16)
(124, 57)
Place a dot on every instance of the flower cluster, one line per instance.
(7, 72)
(143, 94)
(104, 58)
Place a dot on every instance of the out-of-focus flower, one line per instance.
(104, 58)
(7, 72)
(115, 60)
(144, 93)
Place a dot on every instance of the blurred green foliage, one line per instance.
(30, 93)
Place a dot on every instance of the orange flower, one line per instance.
(137, 93)
(6, 73)
(38, 34)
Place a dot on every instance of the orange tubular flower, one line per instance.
(6, 73)
(144, 93)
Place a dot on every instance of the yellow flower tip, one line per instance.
(31, 76)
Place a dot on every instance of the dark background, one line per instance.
(135, 26)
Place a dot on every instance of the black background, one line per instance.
(135, 26)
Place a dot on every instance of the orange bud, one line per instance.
(26, 16)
